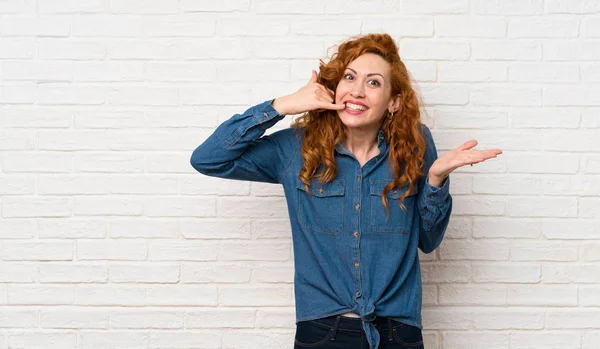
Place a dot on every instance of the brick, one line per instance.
(69, 94)
(507, 184)
(561, 273)
(226, 6)
(574, 6)
(71, 6)
(80, 318)
(505, 319)
(128, 250)
(19, 250)
(541, 207)
(420, 49)
(18, 94)
(72, 272)
(445, 94)
(205, 185)
(507, 50)
(404, 27)
(260, 71)
(182, 251)
(500, 96)
(591, 252)
(447, 318)
(17, 185)
(226, 318)
(108, 71)
(144, 185)
(508, 7)
(160, 48)
(544, 251)
(90, 339)
(465, 26)
(38, 71)
(506, 273)
(110, 295)
(488, 340)
(572, 96)
(490, 250)
(289, 7)
(590, 27)
(18, 272)
(472, 295)
(143, 95)
(273, 228)
(182, 25)
(434, 7)
(542, 295)
(545, 118)
(571, 50)
(513, 228)
(523, 340)
(255, 296)
(215, 272)
(69, 228)
(34, 118)
(446, 272)
(17, 48)
(571, 229)
(591, 340)
(180, 295)
(547, 73)
(35, 206)
(57, 48)
(109, 162)
(542, 163)
(106, 25)
(18, 228)
(107, 205)
(185, 72)
(589, 296)
(72, 185)
(478, 205)
(144, 273)
(28, 295)
(253, 26)
(51, 340)
(572, 319)
(249, 207)
(144, 7)
(146, 319)
(180, 207)
(588, 207)
(472, 71)
(143, 228)
(548, 27)
(239, 251)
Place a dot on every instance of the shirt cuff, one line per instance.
(264, 112)
(436, 195)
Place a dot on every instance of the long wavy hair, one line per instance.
(323, 129)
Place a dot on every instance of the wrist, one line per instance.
(279, 105)
(435, 180)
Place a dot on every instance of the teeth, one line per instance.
(355, 107)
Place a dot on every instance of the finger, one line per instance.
(333, 106)
(313, 77)
(468, 145)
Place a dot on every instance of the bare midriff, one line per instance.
(350, 315)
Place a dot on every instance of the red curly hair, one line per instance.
(323, 129)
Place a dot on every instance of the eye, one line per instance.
(376, 82)
(348, 75)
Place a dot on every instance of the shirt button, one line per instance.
(265, 115)
(358, 178)
(357, 293)
(357, 207)
(355, 234)
(356, 264)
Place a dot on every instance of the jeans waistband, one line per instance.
(355, 324)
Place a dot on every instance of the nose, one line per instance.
(357, 92)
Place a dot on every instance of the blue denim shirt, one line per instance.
(348, 257)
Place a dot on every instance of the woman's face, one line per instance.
(365, 90)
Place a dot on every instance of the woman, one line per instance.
(364, 187)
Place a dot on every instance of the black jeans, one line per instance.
(345, 332)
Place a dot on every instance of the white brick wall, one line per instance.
(109, 239)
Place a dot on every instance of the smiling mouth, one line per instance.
(355, 107)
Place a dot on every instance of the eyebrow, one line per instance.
(367, 74)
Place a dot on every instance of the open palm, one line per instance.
(461, 156)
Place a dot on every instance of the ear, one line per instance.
(394, 104)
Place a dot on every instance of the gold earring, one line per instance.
(390, 115)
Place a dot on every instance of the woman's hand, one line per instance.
(455, 158)
(312, 96)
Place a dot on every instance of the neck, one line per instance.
(362, 144)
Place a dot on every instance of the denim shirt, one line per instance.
(348, 256)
